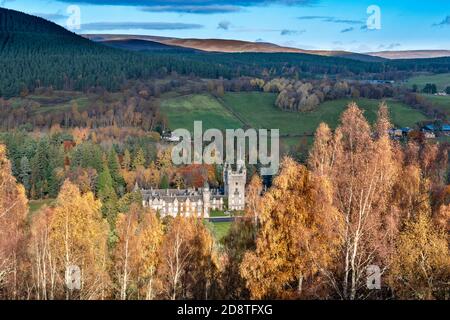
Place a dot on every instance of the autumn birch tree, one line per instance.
(136, 254)
(361, 166)
(79, 237)
(297, 235)
(13, 211)
(421, 266)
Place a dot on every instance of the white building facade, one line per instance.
(199, 202)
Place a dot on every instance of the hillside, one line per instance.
(145, 45)
(257, 110)
(412, 54)
(223, 46)
(35, 52)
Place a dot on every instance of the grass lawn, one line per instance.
(58, 101)
(441, 102)
(184, 110)
(220, 229)
(35, 205)
(82, 104)
(259, 111)
(217, 213)
(442, 81)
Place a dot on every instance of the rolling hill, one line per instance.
(223, 46)
(36, 52)
(412, 54)
(144, 46)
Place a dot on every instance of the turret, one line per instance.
(206, 199)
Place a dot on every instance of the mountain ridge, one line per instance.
(228, 46)
(411, 54)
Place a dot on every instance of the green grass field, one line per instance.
(258, 110)
(58, 101)
(441, 102)
(184, 110)
(220, 229)
(442, 81)
(35, 205)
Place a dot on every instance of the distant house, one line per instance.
(399, 133)
(429, 135)
(429, 128)
(170, 137)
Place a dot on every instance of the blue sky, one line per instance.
(307, 24)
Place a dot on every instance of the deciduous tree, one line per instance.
(13, 211)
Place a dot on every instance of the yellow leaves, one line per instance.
(188, 263)
(13, 211)
(292, 231)
(421, 266)
(79, 237)
(136, 254)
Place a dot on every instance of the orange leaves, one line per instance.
(136, 254)
(292, 231)
(13, 211)
(196, 175)
(421, 266)
(79, 237)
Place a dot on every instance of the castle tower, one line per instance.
(206, 200)
(235, 186)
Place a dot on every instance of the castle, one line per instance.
(200, 202)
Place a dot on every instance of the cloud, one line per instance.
(193, 9)
(331, 19)
(347, 30)
(103, 26)
(195, 6)
(224, 25)
(287, 32)
(389, 46)
(52, 16)
(445, 22)
(3, 2)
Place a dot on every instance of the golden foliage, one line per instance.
(79, 237)
(136, 254)
(297, 236)
(13, 211)
(421, 266)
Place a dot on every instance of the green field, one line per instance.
(184, 110)
(257, 110)
(441, 102)
(220, 229)
(58, 101)
(35, 205)
(442, 81)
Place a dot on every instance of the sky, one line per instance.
(352, 25)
